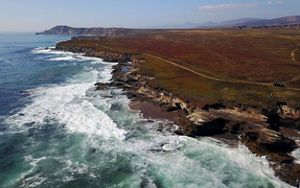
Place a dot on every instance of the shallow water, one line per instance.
(57, 131)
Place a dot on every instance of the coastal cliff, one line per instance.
(65, 30)
(270, 132)
(94, 31)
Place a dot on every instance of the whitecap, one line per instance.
(32, 181)
(50, 50)
(69, 106)
(66, 58)
(188, 162)
(34, 162)
(243, 158)
(41, 50)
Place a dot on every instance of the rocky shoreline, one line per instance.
(272, 132)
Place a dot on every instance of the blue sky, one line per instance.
(36, 15)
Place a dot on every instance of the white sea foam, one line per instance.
(68, 104)
(296, 155)
(29, 179)
(66, 58)
(75, 167)
(50, 50)
(34, 162)
(33, 181)
(187, 162)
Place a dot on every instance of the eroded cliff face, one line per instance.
(260, 130)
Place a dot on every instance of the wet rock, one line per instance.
(214, 127)
(289, 172)
(262, 140)
(186, 127)
(215, 106)
(116, 107)
(101, 86)
(234, 128)
(282, 116)
(276, 148)
(286, 112)
(131, 95)
(274, 120)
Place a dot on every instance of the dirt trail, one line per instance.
(211, 77)
(293, 79)
(293, 55)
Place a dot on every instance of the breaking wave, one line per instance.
(68, 104)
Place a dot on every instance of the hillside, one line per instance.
(97, 31)
(255, 22)
(289, 20)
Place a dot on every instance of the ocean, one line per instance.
(56, 130)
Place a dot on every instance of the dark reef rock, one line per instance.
(214, 127)
(266, 140)
(215, 106)
(102, 86)
(282, 116)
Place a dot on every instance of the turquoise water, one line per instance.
(57, 131)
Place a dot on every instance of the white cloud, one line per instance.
(227, 6)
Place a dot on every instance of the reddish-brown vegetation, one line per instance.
(258, 56)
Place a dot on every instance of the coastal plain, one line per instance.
(206, 66)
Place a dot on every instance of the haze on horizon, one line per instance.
(37, 15)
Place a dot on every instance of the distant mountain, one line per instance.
(99, 31)
(288, 20)
(188, 25)
(240, 21)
